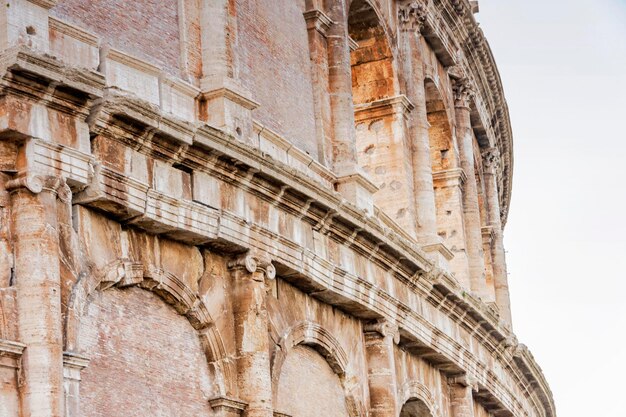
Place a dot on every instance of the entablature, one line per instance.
(143, 127)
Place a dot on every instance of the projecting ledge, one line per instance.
(10, 353)
(355, 186)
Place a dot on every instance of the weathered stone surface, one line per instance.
(255, 208)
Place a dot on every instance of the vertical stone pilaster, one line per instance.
(488, 238)
(380, 338)
(25, 22)
(340, 89)
(251, 333)
(491, 162)
(461, 398)
(73, 364)
(352, 183)
(318, 25)
(38, 284)
(224, 102)
(449, 191)
(473, 228)
(411, 18)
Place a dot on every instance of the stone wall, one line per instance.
(255, 209)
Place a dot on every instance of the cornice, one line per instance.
(384, 107)
(46, 4)
(457, 40)
(318, 20)
(11, 349)
(202, 147)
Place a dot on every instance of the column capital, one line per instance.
(46, 4)
(37, 183)
(491, 160)
(254, 263)
(412, 16)
(227, 407)
(463, 93)
(465, 380)
(383, 328)
(318, 20)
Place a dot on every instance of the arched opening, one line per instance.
(309, 387)
(442, 153)
(371, 57)
(380, 115)
(415, 408)
(447, 179)
(140, 347)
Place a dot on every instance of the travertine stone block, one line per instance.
(24, 22)
(130, 74)
(73, 44)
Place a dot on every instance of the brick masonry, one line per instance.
(255, 208)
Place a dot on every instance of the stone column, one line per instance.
(352, 183)
(473, 229)
(461, 398)
(25, 22)
(491, 163)
(73, 364)
(411, 19)
(380, 338)
(251, 333)
(449, 194)
(224, 102)
(38, 285)
(318, 25)
(340, 89)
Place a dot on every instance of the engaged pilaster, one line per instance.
(318, 26)
(411, 18)
(73, 364)
(380, 338)
(251, 335)
(461, 397)
(491, 165)
(463, 94)
(38, 284)
(25, 23)
(224, 102)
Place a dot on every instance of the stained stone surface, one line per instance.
(255, 208)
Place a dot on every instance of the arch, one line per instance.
(372, 61)
(124, 273)
(442, 145)
(418, 397)
(313, 335)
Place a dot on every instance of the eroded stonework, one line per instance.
(255, 208)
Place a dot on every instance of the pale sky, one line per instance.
(563, 65)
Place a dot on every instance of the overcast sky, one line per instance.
(563, 65)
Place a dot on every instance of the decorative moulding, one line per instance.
(11, 349)
(354, 45)
(226, 406)
(46, 4)
(73, 31)
(129, 60)
(291, 150)
(440, 248)
(450, 177)
(359, 178)
(75, 361)
(318, 20)
(384, 107)
(227, 88)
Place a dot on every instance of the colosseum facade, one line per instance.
(255, 208)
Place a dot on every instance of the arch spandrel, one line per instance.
(124, 273)
(416, 400)
(316, 337)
